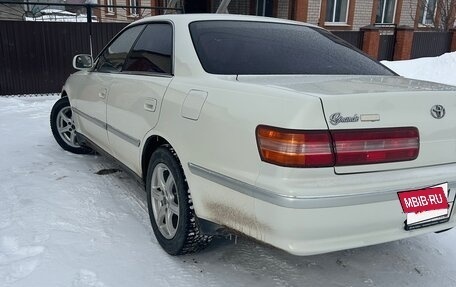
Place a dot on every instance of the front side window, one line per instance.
(427, 12)
(337, 11)
(385, 11)
(152, 52)
(113, 57)
(262, 48)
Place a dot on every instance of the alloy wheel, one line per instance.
(165, 202)
(66, 128)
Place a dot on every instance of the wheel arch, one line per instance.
(151, 145)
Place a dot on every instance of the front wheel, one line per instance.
(63, 128)
(170, 206)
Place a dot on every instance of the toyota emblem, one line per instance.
(438, 111)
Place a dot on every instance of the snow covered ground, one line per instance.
(64, 223)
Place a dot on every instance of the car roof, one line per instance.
(185, 19)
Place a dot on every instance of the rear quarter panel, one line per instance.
(223, 139)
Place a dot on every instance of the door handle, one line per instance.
(150, 105)
(102, 93)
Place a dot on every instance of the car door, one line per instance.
(136, 94)
(90, 105)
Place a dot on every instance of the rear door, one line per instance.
(136, 94)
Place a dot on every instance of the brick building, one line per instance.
(331, 14)
(341, 14)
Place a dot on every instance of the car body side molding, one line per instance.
(103, 125)
(96, 121)
(289, 201)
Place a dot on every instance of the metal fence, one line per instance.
(386, 47)
(430, 44)
(38, 40)
(36, 56)
(355, 38)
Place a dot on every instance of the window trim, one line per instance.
(143, 73)
(334, 23)
(397, 16)
(344, 26)
(97, 59)
(110, 11)
(422, 23)
(131, 7)
(173, 50)
(383, 13)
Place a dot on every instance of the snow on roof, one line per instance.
(56, 11)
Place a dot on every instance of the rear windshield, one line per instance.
(260, 48)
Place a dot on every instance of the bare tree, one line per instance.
(435, 14)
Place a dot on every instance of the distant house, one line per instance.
(49, 10)
(330, 14)
(342, 14)
(348, 15)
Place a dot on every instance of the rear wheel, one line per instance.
(63, 128)
(170, 206)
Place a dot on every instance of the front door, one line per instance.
(90, 104)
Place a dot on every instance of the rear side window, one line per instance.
(113, 57)
(258, 48)
(153, 50)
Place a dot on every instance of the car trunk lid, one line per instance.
(366, 102)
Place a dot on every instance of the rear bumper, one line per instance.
(316, 215)
(315, 231)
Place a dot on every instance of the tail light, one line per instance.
(353, 147)
(297, 148)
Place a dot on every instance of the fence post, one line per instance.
(453, 40)
(89, 22)
(404, 43)
(89, 13)
(371, 40)
(300, 10)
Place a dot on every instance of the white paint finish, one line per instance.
(400, 102)
(83, 89)
(316, 231)
(193, 103)
(223, 140)
(150, 104)
(127, 99)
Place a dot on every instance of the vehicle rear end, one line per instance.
(354, 155)
(387, 143)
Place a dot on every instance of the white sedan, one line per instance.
(274, 129)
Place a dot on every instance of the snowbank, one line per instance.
(435, 69)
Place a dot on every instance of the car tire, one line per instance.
(63, 128)
(170, 205)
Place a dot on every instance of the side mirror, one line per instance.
(82, 62)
